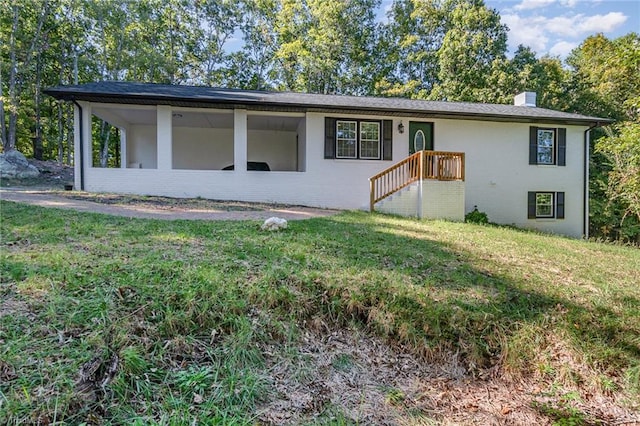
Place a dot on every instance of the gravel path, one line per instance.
(46, 198)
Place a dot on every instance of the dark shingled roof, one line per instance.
(194, 96)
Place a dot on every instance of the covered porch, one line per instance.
(166, 138)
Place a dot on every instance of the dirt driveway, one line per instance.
(158, 207)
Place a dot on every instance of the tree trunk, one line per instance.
(117, 148)
(37, 138)
(70, 133)
(60, 155)
(105, 132)
(3, 128)
(10, 142)
(75, 67)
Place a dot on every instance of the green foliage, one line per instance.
(476, 216)
(622, 151)
(605, 82)
(474, 41)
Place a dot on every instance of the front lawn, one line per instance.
(112, 320)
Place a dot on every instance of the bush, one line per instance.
(476, 216)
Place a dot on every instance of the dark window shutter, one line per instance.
(387, 140)
(560, 205)
(562, 147)
(532, 205)
(533, 145)
(329, 137)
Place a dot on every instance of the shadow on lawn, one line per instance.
(421, 292)
(427, 294)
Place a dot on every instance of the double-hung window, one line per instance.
(358, 139)
(547, 146)
(347, 139)
(546, 205)
(370, 140)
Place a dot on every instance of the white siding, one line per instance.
(202, 148)
(440, 200)
(142, 147)
(276, 148)
(498, 175)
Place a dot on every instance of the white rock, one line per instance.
(15, 165)
(274, 224)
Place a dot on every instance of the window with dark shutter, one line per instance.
(387, 140)
(329, 137)
(358, 139)
(532, 205)
(562, 147)
(560, 205)
(533, 145)
(545, 205)
(547, 146)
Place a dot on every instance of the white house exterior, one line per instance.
(321, 150)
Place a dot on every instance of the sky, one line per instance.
(555, 27)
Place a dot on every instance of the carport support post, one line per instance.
(77, 140)
(164, 137)
(240, 139)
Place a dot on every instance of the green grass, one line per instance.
(184, 308)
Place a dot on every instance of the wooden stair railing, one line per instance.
(437, 165)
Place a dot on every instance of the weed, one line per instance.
(476, 216)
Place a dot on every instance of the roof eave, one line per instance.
(150, 99)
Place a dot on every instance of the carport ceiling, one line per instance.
(271, 122)
(136, 116)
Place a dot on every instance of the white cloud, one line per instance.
(529, 31)
(563, 25)
(568, 3)
(562, 48)
(578, 25)
(537, 31)
(533, 4)
(603, 23)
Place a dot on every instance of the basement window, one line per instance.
(546, 205)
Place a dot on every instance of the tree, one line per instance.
(215, 23)
(22, 27)
(622, 150)
(323, 44)
(408, 44)
(526, 73)
(251, 67)
(605, 82)
(474, 40)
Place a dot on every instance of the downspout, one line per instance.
(585, 198)
(81, 145)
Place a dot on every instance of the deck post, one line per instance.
(371, 195)
(420, 179)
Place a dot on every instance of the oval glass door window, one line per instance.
(418, 141)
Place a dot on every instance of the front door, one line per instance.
(420, 136)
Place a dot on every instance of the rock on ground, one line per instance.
(274, 224)
(15, 165)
